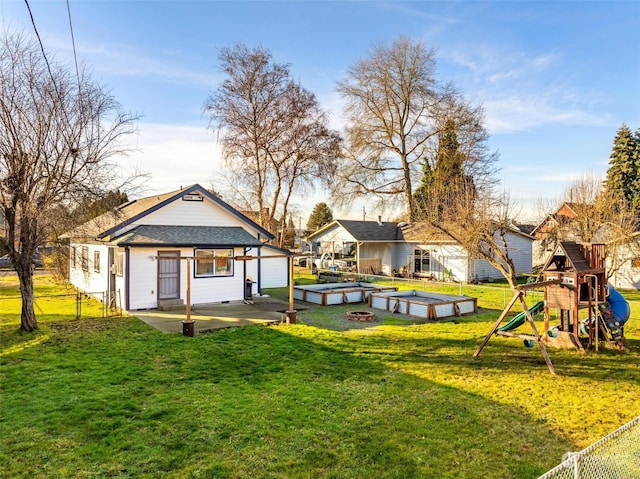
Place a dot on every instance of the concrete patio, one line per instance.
(209, 317)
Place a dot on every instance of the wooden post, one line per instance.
(496, 325)
(518, 295)
(291, 313)
(188, 289)
(527, 314)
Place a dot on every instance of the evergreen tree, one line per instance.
(320, 216)
(444, 182)
(623, 174)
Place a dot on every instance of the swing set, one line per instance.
(574, 280)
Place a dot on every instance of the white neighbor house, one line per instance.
(366, 241)
(412, 250)
(627, 275)
(141, 254)
(442, 258)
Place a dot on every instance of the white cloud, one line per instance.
(124, 60)
(523, 91)
(510, 113)
(175, 156)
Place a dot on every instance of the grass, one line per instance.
(113, 397)
(54, 302)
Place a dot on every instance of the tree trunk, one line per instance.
(28, 317)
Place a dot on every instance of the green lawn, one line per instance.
(115, 398)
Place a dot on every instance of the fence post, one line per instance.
(78, 304)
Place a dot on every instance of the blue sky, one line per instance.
(557, 79)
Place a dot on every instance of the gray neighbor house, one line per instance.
(391, 248)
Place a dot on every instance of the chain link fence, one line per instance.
(616, 456)
(493, 297)
(86, 304)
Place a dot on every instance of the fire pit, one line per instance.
(362, 316)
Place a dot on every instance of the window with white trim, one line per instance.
(96, 261)
(119, 264)
(213, 262)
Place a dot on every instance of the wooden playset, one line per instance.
(575, 284)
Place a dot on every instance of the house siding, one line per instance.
(189, 213)
(334, 240)
(271, 269)
(143, 279)
(387, 252)
(89, 281)
(627, 276)
(137, 283)
(521, 253)
(450, 261)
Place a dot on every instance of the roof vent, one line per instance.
(380, 220)
(192, 197)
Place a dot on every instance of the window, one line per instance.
(96, 261)
(421, 261)
(119, 264)
(213, 262)
(85, 258)
(72, 257)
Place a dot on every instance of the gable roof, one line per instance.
(566, 211)
(573, 252)
(196, 236)
(368, 231)
(103, 226)
(423, 232)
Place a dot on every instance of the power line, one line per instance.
(73, 44)
(46, 60)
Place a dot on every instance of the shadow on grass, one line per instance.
(123, 399)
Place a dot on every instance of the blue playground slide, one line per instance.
(519, 319)
(619, 306)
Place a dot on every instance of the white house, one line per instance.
(146, 252)
(412, 250)
(622, 259)
(439, 257)
(376, 246)
(627, 276)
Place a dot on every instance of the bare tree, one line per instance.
(274, 134)
(59, 135)
(597, 215)
(395, 109)
(482, 225)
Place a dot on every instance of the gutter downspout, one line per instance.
(127, 279)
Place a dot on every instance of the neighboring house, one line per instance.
(565, 213)
(437, 256)
(626, 257)
(627, 276)
(411, 250)
(378, 247)
(139, 255)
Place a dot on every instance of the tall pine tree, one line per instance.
(320, 216)
(623, 174)
(443, 183)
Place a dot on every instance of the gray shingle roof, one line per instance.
(203, 236)
(372, 230)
